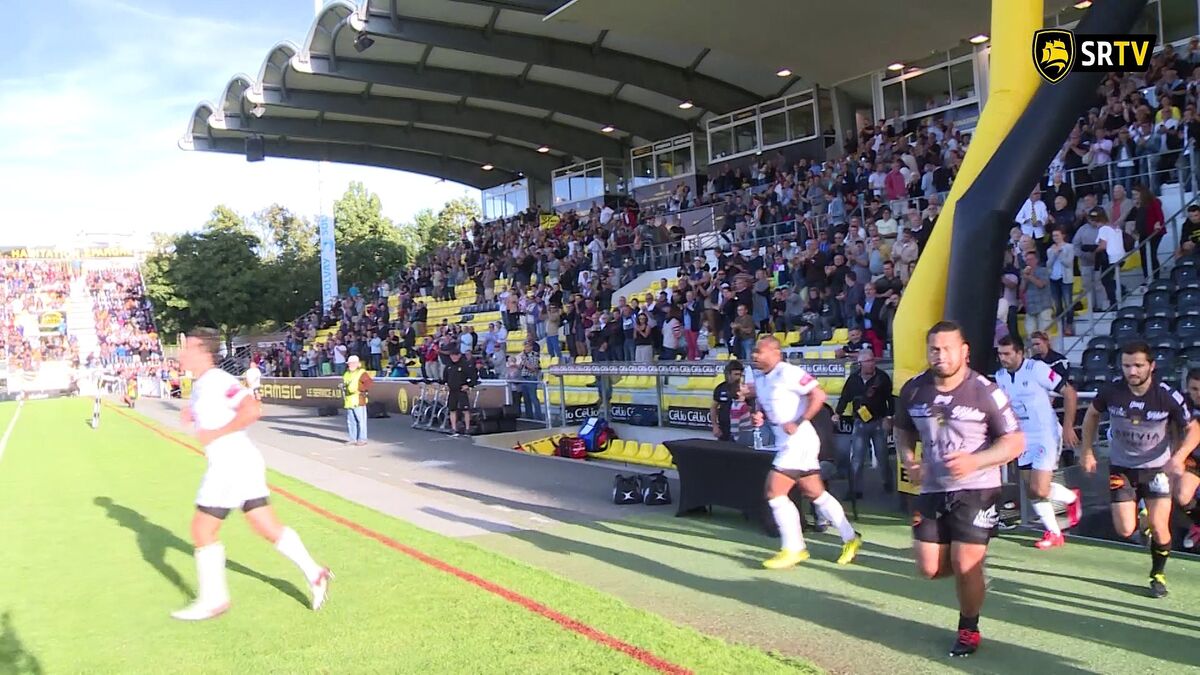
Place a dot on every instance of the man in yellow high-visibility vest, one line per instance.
(356, 381)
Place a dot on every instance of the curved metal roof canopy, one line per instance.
(443, 85)
(529, 85)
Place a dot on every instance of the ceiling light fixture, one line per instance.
(686, 105)
(487, 167)
(783, 72)
(978, 39)
(896, 66)
(1083, 4)
(608, 128)
(544, 149)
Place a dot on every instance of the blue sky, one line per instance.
(96, 94)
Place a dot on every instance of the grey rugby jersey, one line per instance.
(968, 419)
(1139, 426)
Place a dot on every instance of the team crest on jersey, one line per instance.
(1154, 415)
(987, 518)
(1116, 482)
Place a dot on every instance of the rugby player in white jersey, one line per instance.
(219, 412)
(789, 398)
(253, 376)
(1029, 383)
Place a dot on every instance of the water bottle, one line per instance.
(758, 439)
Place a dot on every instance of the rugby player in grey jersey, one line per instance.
(1189, 482)
(1146, 419)
(967, 431)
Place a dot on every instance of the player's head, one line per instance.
(1193, 386)
(767, 353)
(200, 349)
(1137, 363)
(735, 372)
(1011, 351)
(946, 349)
(1039, 343)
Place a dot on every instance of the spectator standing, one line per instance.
(356, 382)
(1035, 286)
(1060, 261)
(1110, 253)
(866, 400)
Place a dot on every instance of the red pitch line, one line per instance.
(573, 625)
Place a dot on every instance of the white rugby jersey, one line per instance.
(215, 398)
(783, 393)
(1029, 390)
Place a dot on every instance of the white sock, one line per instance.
(787, 517)
(1062, 494)
(831, 508)
(210, 575)
(292, 548)
(1045, 511)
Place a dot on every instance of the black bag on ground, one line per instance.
(656, 490)
(626, 490)
(377, 410)
(328, 411)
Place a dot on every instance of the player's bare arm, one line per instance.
(1191, 439)
(906, 446)
(248, 412)
(1091, 425)
(1070, 410)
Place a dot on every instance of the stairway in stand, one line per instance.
(81, 319)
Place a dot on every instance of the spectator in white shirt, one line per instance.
(376, 346)
(606, 214)
(1033, 216)
(1111, 241)
(339, 359)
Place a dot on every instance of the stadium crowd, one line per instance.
(30, 289)
(124, 321)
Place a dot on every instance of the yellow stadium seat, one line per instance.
(645, 451)
(791, 338)
(840, 336)
(622, 398)
(661, 456)
(723, 356)
(834, 385)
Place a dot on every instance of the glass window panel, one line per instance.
(1147, 22)
(825, 111)
(801, 123)
(745, 137)
(934, 59)
(682, 159)
(774, 129)
(720, 144)
(928, 90)
(893, 100)
(643, 170)
(1179, 19)
(962, 80)
(579, 189)
(770, 105)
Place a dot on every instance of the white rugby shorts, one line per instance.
(798, 452)
(232, 479)
(1041, 454)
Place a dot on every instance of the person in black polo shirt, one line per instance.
(460, 376)
(867, 400)
(729, 403)
(854, 344)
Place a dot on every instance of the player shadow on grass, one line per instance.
(14, 658)
(153, 540)
(826, 609)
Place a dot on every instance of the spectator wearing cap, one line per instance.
(356, 382)
(1110, 250)
(866, 400)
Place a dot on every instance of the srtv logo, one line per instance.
(1058, 52)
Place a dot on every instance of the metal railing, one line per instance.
(1144, 171)
(1158, 269)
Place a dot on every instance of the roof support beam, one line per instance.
(467, 173)
(422, 63)
(646, 73)
(627, 116)
(578, 142)
(468, 148)
(791, 81)
(599, 42)
(491, 24)
(691, 69)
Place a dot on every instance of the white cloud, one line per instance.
(88, 141)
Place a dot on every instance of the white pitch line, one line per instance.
(12, 424)
(384, 474)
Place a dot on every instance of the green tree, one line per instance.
(369, 246)
(284, 234)
(226, 219)
(210, 278)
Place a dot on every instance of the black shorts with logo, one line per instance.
(457, 401)
(966, 516)
(1130, 485)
